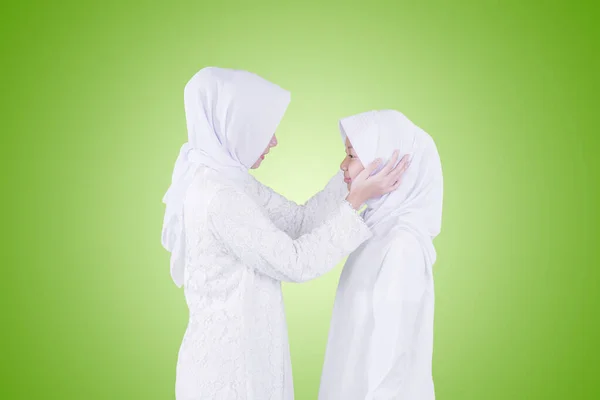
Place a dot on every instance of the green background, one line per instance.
(92, 121)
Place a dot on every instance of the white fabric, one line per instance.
(381, 335)
(231, 115)
(241, 241)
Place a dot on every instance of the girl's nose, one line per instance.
(344, 165)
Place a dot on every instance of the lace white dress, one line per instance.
(242, 243)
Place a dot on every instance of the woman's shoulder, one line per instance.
(206, 189)
(210, 182)
(216, 191)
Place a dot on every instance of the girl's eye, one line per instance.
(350, 155)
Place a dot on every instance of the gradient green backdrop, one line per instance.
(92, 117)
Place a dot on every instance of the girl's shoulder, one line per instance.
(403, 244)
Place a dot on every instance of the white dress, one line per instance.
(242, 243)
(380, 342)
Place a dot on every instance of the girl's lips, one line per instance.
(347, 180)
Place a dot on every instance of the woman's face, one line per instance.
(351, 165)
(272, 143)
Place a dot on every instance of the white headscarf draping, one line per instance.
(231, 115)
(417, 204)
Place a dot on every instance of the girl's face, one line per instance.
(351, 165)
(272, 143)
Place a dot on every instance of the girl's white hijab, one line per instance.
(231, 116)
(416, 205)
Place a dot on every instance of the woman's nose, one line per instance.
(273, 141)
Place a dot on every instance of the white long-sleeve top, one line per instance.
(242, 242)
(380, 341)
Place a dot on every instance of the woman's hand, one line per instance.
(365, 187)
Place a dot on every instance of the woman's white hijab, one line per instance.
(417, 204)
(231, 116)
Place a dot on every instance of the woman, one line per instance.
(232, 242)
(381, 336)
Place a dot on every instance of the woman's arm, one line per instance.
(397, 301)
(295, 219)
(253, 238)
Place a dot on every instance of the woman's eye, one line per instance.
(350, 155)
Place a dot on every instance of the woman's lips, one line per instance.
(347, 180)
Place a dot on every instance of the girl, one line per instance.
(381, 335)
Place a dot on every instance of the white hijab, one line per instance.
(231, 115)
(417, 204)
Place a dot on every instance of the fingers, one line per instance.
(390, 177)
(391, 187)
(372, 166)
(390, 164)
(394, 179)
(400, 168)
